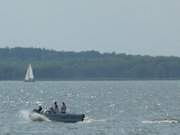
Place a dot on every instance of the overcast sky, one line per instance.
(124, 26)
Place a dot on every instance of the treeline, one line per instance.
(88, 65)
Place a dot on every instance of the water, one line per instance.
(111, 107)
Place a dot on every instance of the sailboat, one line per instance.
(29, 77)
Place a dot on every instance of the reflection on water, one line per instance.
(111, 107)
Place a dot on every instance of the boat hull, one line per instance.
(65, 117)
(59, 117)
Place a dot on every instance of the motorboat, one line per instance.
(58, 117)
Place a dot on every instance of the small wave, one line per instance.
(170, 121)
(112, 105)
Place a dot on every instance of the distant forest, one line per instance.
(85, 65)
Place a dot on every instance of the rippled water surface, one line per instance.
(111, 107)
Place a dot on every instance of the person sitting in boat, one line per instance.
(39, 110)
(50, 110)
(56, 108)
(63, 108)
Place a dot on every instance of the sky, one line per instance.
(146, 27)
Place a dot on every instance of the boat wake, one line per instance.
(160, 121)
(25, 115)
(29, 116)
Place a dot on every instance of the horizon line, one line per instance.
(88, 50)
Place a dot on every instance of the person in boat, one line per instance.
(50, 110)
(56, 108)
(53, 109)
(63, 108)
(39, 110)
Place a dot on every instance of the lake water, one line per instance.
(111, 107)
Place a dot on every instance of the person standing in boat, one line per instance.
(63, 108)
(56, 108)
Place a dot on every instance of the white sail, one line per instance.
(29, 74)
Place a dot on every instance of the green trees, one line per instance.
(54, 65)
